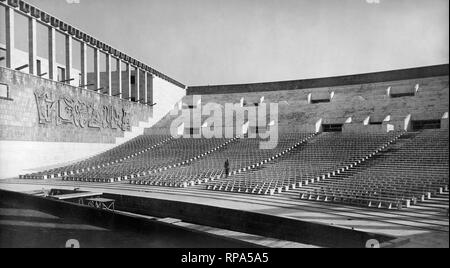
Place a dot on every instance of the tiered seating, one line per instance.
(131, 149)
(410, 170)
(172, 154)
(327, 153)
(243, 154)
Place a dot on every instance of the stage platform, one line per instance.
(427, 218)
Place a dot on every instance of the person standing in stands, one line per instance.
(227, 168)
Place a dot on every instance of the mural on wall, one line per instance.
(59, 110)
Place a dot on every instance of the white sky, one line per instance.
(201, 42)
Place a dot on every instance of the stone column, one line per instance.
(129, 81)
(97, 68)
(138, 84)
(149, 89)
(145, 87)
(119, 69)
(69, 59)
(32, 46)
(108, 74)
(9, 23)
(52, 54)
(83, 65)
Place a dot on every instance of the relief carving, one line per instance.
(45, 105)
(59, 110)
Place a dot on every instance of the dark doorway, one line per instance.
(320, 101)
(403, 94)
(426, 124)
(332, 127)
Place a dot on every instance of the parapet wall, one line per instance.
(413, 73)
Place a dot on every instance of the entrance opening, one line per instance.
(320, 101)
(404, 94)
(426, 124)
(332, 127)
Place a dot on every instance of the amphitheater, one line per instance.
(356, 158)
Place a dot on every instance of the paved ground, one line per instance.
(432, 239)
(428, 217)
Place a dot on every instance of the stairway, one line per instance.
(382, 154)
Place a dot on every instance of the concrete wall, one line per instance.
(22, 157)
(360, 101)
(165, 96)
(444, 123)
